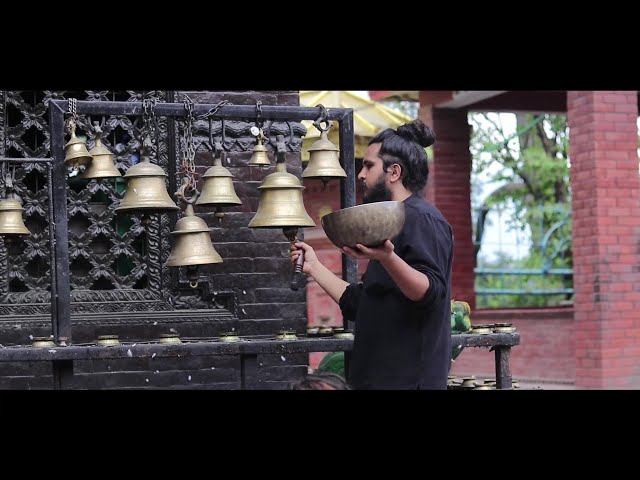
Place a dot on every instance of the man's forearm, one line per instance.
(328, 281)
(411, 282)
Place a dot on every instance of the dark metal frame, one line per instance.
(57, 110)
(61, 298)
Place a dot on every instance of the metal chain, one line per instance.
(72, 116)
(73, 105)
(188, 165)
(323, 118)
(148, 114)
(259, 121)
(213, 110)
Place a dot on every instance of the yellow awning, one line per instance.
(369, 117)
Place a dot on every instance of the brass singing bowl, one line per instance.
(369, 224)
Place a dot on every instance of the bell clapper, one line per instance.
(193, 275)
(291, 234)
(219, 214)
(145, 220)
(297, 277)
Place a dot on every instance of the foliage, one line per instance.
(532, 171)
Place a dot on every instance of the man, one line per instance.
(402, 307)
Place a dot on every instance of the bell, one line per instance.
(11, 218)
(75, 151)
(324, 162)
(193, 242)
(259, 157)
(217, 188)
(102, 164)
(281, 202)
(146, 189)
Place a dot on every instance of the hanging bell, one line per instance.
(102, 164)
(11, 218)
(281, 202)
(146, 189)
(75, 151)
(259, 157)
(324, 162)
(217, 188)
(193, 242)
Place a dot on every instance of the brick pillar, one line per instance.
(606, 235)
(449, 189)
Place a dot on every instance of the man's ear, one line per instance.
(396, 171)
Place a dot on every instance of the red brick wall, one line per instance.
(546, 351)
(606, 235)
(449, 189)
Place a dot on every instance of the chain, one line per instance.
(259, 121)
(148, 114)
(72, 116)
(73, 106)
(188, 165)
(323, 118)
(213, 110)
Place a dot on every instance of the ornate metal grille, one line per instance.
(113, 265)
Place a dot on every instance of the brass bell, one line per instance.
(11, 218)
(146, 188)
(102, 164)
(193, 242)
(217, 188)
(324, 162)
(281, 202)
(75, 151)
(259, 157)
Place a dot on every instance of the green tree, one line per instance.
(532, 167)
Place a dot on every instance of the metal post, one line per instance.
(61, 303)
(503, 370)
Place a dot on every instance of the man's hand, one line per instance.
(310, 257)
(381, 253)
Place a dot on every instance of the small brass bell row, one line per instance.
(281, 203)
(11, 223)
(101, 165)
(146, 187)
(99, 159)
(259, 158)
(193, 242)
(76, 153)
(217, 187)
(324, 161)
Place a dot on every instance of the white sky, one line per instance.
(497, 236)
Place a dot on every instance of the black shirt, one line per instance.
(400, 343)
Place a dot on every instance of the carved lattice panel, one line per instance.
(115, 264)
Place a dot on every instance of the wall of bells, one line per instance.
(280, 206)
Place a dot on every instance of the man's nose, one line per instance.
(361, 175)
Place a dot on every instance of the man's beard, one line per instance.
(378, 193)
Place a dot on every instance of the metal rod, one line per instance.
(61, 301)
(26, 160)
(523, 271)
(348, 186)
(348, 199)
(52, 250)
(503, 370)
(269, 112)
